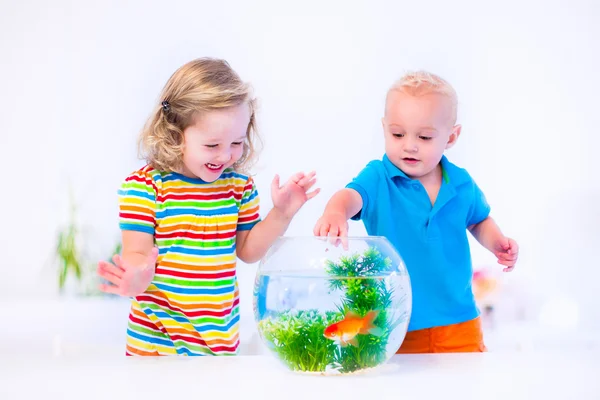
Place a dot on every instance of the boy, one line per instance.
(424, 205)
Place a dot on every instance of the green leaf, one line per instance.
(297, 336)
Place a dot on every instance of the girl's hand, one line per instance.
(127, 279)
(290, 197)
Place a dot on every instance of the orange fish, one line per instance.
(345, 331)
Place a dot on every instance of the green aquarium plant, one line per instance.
(298, 336)
(365, 290)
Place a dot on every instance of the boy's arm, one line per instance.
(348, 202)
(356, 197)
(342, 206)
(488, 234)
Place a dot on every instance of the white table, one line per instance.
(441, 376)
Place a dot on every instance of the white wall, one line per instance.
(77, 80)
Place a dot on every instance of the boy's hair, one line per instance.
(199, 86)
(419, 83)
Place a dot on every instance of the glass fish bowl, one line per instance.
(328, 307)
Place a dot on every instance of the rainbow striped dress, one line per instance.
(192, 305)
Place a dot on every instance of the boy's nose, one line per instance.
(411, 147)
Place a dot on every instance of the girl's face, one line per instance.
(215, 142)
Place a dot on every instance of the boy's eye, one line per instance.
(425, 137)
(398, 135)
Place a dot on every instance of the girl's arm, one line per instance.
(137, 248)
(132, 271)
(253, 244)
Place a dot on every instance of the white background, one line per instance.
(78, 79)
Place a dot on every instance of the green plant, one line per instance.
(67, 251)
(365, 290)
(297, 336)
(70, 258)
(91, 287)
(117, 250)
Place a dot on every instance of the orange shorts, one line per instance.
(465, 337)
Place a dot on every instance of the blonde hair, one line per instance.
(199, 86)
(419, 83)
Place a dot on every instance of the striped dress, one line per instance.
(192, 305)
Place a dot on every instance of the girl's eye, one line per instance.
(425, 137)
(212, 146)
(398, 135)
(237, 143)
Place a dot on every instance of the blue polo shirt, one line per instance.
(432, 240)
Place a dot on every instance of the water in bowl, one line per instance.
(327, 321)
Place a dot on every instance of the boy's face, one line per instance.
(417, 130)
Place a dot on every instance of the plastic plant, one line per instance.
(297, 336)
(365, 290)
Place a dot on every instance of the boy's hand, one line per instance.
(126, 279)
(332, 224)
(507, 252)
(290, 197)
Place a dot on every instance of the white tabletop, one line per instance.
(442, 376)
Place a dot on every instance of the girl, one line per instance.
(191, 211)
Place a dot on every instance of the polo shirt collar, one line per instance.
(392, 170)
(451, 173)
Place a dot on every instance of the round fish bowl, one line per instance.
(329, 307)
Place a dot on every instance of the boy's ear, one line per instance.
(453, 136)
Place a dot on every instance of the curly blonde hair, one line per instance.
(199, 86)
(418, 83)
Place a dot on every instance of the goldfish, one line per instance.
(345, 331)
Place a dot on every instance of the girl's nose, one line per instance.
(224, 157)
